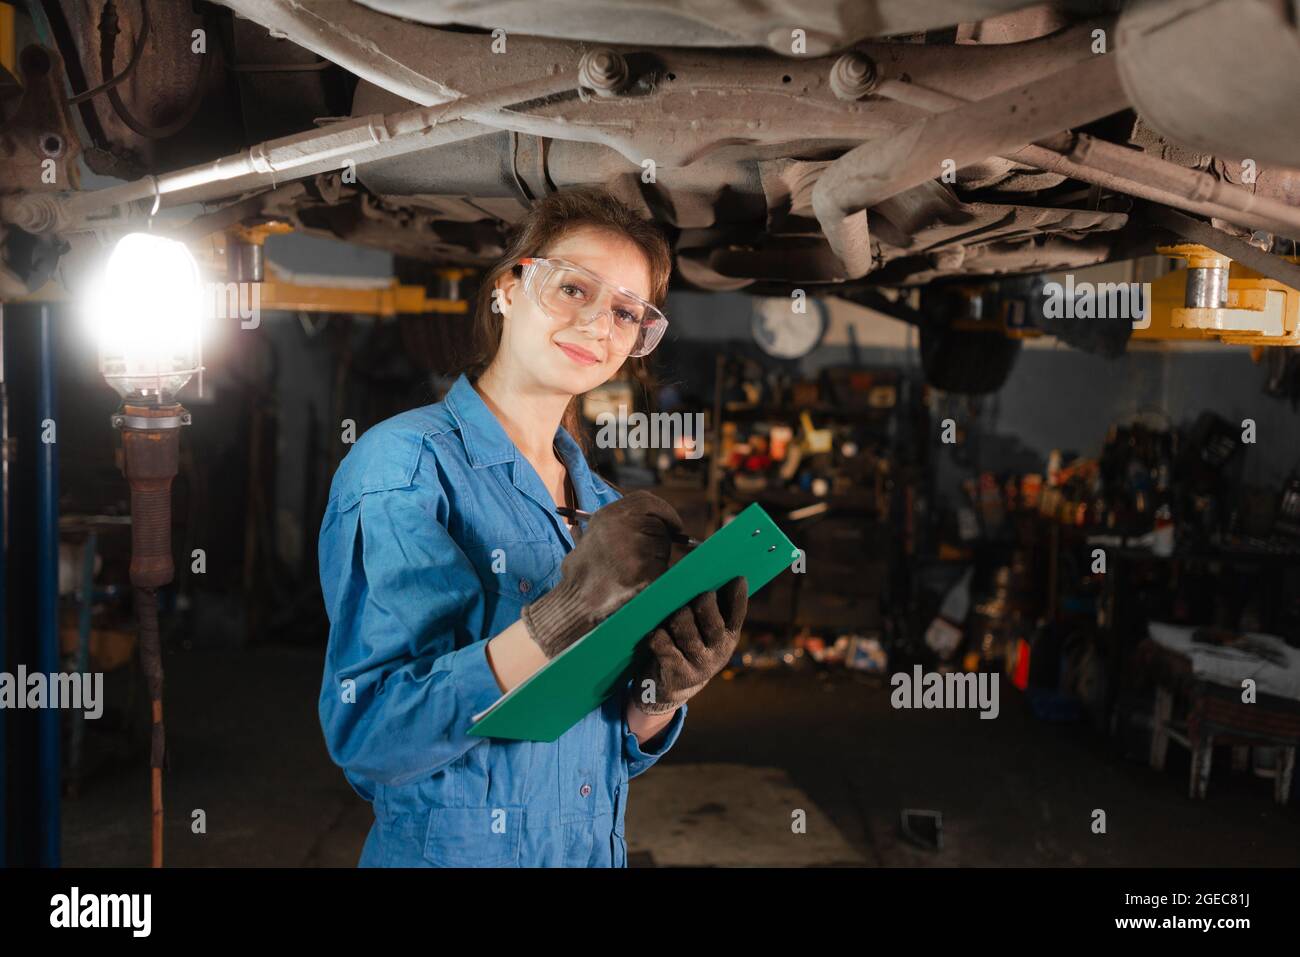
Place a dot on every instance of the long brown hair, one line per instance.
(548, 221)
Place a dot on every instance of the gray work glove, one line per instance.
(690, 646)
(625, 546)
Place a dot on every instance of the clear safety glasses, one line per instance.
(567, 292)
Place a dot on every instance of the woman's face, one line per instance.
(571, 358)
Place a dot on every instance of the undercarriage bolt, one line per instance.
(853, 76)
(604, 71)
(52, 145)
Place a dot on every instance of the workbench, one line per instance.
(1198, 703)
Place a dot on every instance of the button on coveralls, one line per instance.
(437, 532)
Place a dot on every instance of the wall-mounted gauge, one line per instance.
(783, 331)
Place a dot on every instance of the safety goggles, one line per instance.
(567, 292)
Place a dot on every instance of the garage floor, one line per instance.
(246, 750)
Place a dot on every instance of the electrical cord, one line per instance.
(108, 30)
(130, 67)
(279, 67)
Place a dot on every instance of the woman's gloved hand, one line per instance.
(624, 547)
(690, 646)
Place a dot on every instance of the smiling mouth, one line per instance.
(578, 353)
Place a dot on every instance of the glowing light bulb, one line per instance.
(147, 313)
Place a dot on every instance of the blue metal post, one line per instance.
(49, 759)
(4, 573)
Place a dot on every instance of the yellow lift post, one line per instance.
(349, 296)
(1257, 310)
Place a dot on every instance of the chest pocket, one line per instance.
(514, 573)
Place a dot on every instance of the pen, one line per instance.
(586, 516)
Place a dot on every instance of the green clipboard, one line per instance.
(580, 678)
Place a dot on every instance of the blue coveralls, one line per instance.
(437, 532)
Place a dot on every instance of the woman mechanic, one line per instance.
(449, 578)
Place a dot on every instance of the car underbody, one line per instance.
(864, 150)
